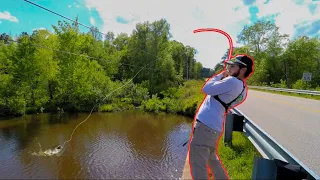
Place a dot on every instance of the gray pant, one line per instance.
(203, 153)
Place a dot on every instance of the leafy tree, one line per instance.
(278, 60)
(72, 70)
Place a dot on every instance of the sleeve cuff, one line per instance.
(218, 77)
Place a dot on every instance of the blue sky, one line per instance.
(294, 17)
(29, 17)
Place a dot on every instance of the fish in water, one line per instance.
(53, 151)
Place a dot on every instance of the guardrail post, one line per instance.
(277, 169)
(286, 170)
(228, 128)
(234, 122)
(264, 169)
(238, 122)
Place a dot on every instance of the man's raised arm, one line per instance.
(216, 86)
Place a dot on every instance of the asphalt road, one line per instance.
(292, 121)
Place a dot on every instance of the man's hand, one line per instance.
(225, 74)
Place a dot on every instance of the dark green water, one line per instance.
(125, 145)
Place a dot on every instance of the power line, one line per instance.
(62, 16)
(88, 27)
(82, 24)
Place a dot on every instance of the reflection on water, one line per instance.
(126, 145)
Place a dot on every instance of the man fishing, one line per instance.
(224, 91)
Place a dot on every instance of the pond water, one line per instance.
(122, 145)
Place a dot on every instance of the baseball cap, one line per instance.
(242, 59)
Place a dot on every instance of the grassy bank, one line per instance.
(288, 94)
(183, 100)
(238, 159)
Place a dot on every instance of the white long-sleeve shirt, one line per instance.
(211, 111)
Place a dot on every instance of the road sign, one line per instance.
(307, 76)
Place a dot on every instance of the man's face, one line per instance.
(233, 69)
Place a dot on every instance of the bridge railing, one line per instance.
(276, 161)
(314, 93)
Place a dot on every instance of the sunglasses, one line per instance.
(231, 65)
(237, 60)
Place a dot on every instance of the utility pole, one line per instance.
(287, 75)
(187, 64)
(187, 69)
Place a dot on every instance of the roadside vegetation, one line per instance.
(70, 70)
(238, 158)
(278, 60)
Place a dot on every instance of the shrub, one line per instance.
(282, 84)
(299, 84)
(153, 105)
(172, 105)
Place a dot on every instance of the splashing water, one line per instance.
(57, 150)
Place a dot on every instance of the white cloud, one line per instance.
(42, 28)
(184, 17)
(0, 22)
(69, 6)
(7, 16)
(291, 14)
(92, 21)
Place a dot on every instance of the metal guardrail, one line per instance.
(315, 93)
(277, 162)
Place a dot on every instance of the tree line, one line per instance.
(71, 70)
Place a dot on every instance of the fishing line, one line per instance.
(59, 148)
(103, 100)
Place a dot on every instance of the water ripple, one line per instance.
(107, 147)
